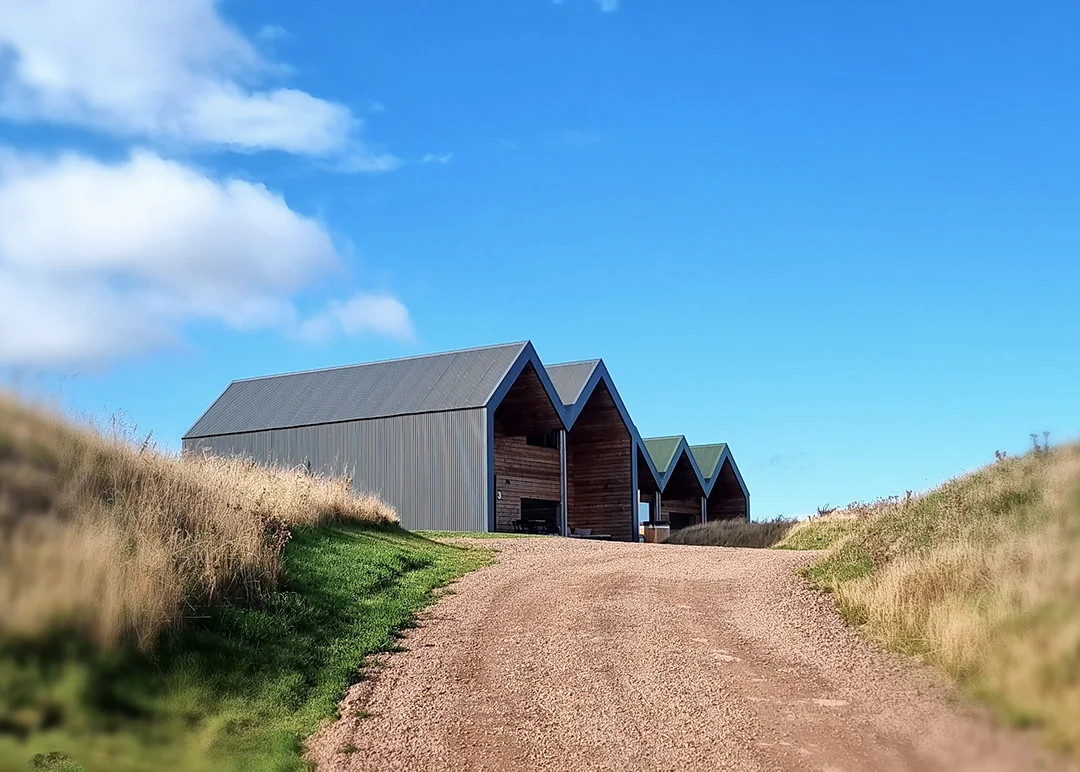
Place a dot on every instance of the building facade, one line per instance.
(480, 440)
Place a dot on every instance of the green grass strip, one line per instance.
(243, 685)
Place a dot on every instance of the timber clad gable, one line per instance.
(522, 471)
(600, 467)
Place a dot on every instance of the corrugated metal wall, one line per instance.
(431, 467)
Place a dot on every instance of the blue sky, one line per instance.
(841, 237)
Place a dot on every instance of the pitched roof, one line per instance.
(708, 458)
(455, 380)
(571, 378)
(662, 451)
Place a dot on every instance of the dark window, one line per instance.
(680, 520)
(545, 440)
(540, 515)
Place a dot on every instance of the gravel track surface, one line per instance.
(573, 655)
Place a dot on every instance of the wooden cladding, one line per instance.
(599, 461)
(646, 482)
(522, 471)
(727, 501)
(526, 408)
(683, 484)
(681, 513)
(681, 502)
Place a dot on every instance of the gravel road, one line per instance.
(571, 655)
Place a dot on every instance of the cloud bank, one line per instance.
(105, 259)
(172, 71)
(101, 260)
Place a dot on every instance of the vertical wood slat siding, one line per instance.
(691, 507)
(727, 501)
(432, 467)
(522, 471)
(600, 459)
(733, 508)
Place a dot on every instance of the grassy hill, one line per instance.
(979, 578)
(158, 613)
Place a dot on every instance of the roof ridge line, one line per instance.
(576, 362)
(381, 361)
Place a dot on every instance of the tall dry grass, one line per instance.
(734, 533)
(111, 539)
(981, 578)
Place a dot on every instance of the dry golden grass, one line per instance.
(116, 541)
(981, 578)
(734, 533)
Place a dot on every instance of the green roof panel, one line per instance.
(662, 451)
(708, 458)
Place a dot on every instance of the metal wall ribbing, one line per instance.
(431, 467)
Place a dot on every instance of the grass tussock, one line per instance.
(104, 537)
(981, 578)
(734, 533)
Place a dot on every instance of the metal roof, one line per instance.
(708, 458)
(455, 380)
(662, 451)
(571, 378)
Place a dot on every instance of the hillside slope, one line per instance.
(159, 613)
(980, 577)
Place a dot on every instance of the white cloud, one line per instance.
(172, 71)
(49, 322)
(437, 158)
(102, 260)
(363, 313)
(364, 161)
